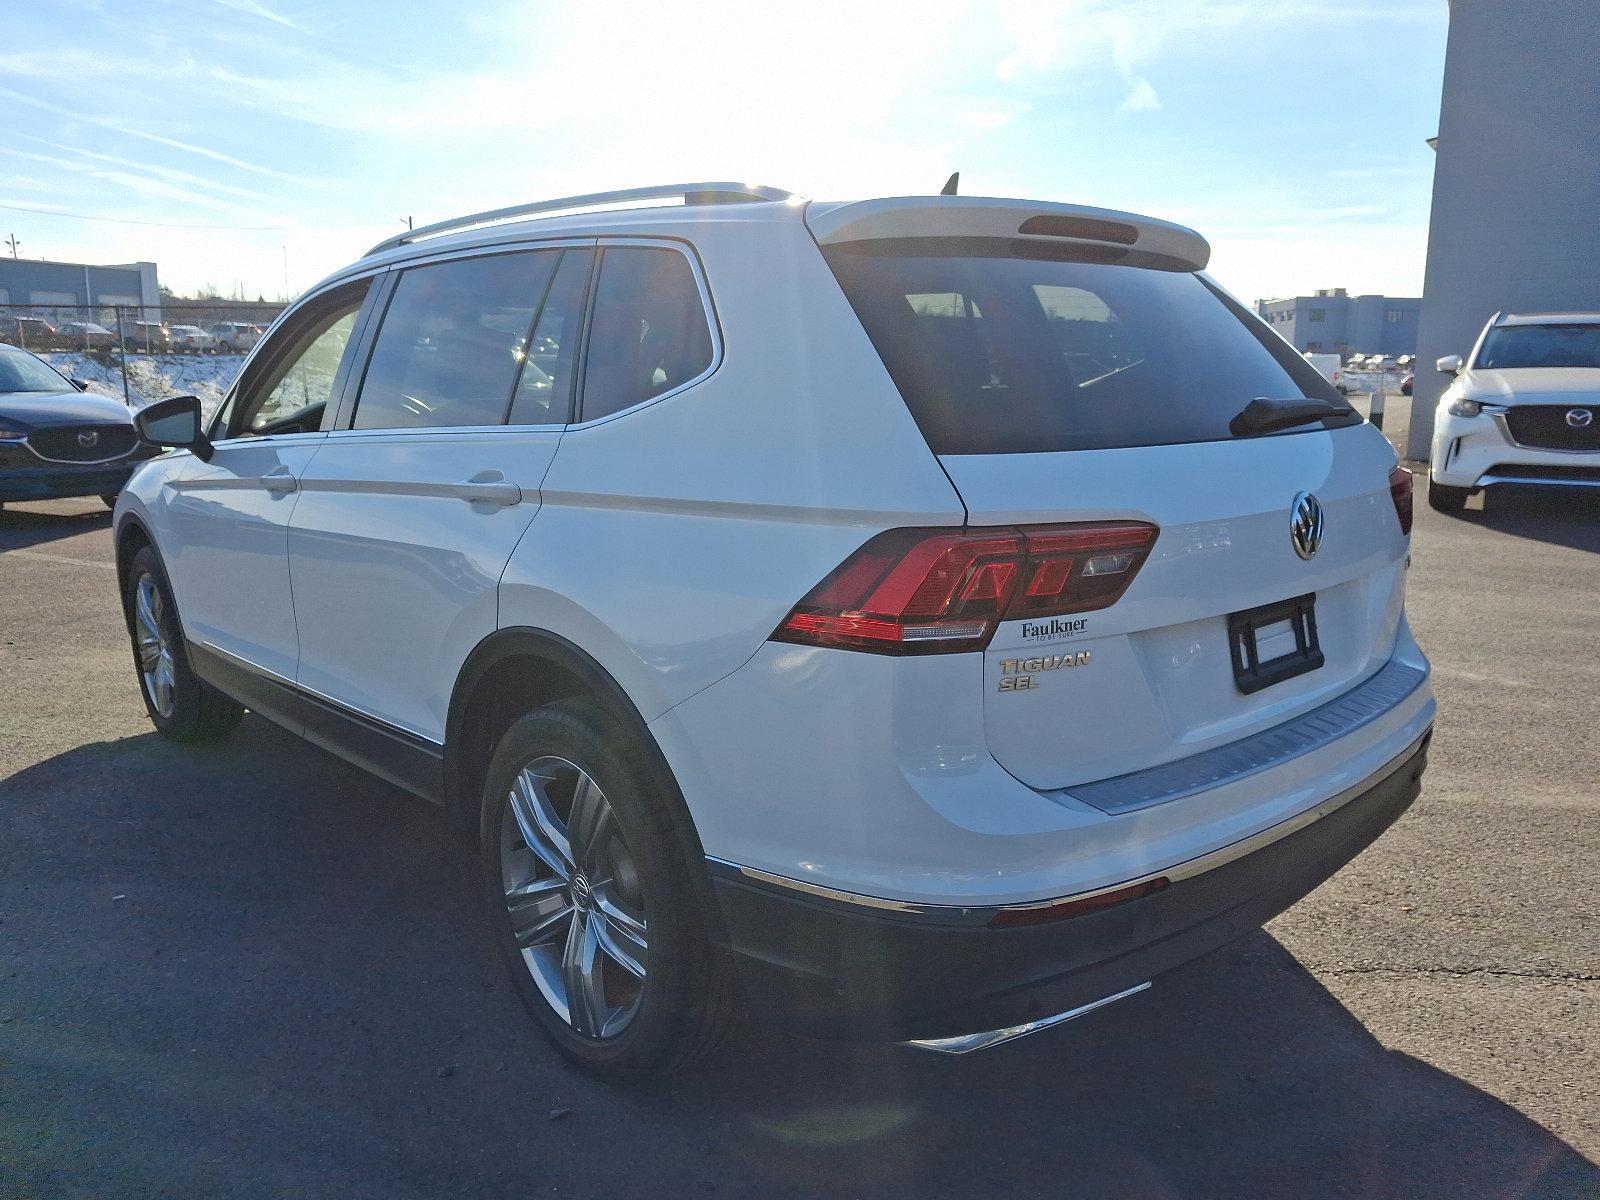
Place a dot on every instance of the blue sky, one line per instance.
(296, 133)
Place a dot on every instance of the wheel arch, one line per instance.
(132, 536)
(515, 670)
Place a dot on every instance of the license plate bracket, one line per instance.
(1274, 642)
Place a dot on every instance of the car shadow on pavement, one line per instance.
(1559, 516)
(21, 528)
(250, 970)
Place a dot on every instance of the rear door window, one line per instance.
(996, 350)
(649, 332)
(454, 341)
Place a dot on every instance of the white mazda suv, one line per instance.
(1524, 408)
(859, 614)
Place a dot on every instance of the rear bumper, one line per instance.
(56, 482)
(826, 966)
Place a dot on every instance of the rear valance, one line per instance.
(908, 217)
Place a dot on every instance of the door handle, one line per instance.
(489, 487)
(279, 480)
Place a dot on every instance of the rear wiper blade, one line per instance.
(1262, 415)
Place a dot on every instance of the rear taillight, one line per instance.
(1400, 493)
(932, 591)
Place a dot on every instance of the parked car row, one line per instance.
(1379, 362)
(138, 337)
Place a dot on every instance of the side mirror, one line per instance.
(174, 421)
(1450, 364)
(81, 384)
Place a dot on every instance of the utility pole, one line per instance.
(13, 243)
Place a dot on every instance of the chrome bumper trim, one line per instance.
(968, 1042)
(1535, 481)
(980, 914)
(80, 462)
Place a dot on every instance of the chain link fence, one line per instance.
(142, 354)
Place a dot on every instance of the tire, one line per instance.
(182, 707)
(1446, 499)
(109, 499)
(674, 1003)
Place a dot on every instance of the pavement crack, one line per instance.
(1498, 972)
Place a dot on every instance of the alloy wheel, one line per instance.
(572, 890)
(156, 668)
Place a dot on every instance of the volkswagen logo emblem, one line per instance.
(88, 439)
(1305, 524)
(580, 892)
(1579, 418)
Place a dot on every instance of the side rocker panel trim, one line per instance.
(400, 757)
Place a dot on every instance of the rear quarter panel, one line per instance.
(675, 537)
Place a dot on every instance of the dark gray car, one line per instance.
(56, 440)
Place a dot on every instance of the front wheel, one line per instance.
(592, 900)
(1446, 499)
(182, 706)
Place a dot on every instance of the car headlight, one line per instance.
(1462, 407)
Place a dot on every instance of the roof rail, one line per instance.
(690, 193)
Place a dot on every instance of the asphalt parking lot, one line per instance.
(253, 971)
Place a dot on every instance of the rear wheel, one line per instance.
(109, 499)
(592, 899)
(1446, 499)
(182, 706)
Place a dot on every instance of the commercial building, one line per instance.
(1334, 322)
(1516, 193)
(49, 285)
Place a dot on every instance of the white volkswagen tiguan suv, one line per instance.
(863, 612)
(1523, 409)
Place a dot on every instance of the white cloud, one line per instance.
(253, 9)
(253, 117)
(170, 174)
(1143, 98)
(131, 131)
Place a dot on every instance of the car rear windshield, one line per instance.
(1509, 347)
(1004, 347)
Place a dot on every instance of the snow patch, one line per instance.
(153, 377)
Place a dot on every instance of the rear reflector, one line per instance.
(1012, 918)
(1400, 485)
(930, 591)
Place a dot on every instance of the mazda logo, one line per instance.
(1305, 524)
(1579, 418)
(89, 438)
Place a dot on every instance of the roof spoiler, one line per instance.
(1025, 220)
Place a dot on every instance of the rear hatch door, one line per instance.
(1153, 677)
(1064, 380)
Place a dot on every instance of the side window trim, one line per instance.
(381, 295)
(707, 305)
(372, 318)
(361, 347)
(594, 254)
